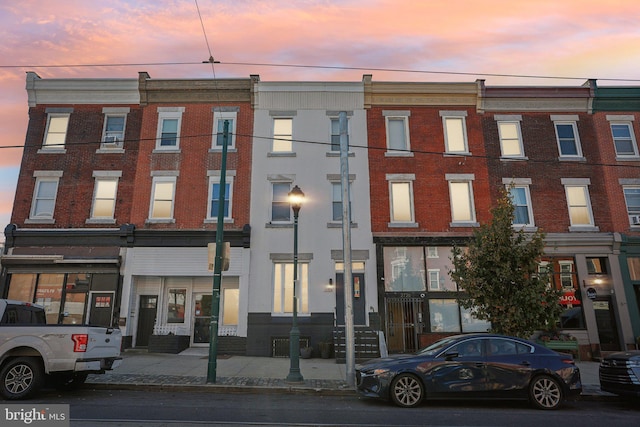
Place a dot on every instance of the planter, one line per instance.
(306, 352)
(325, 349)
(173, 344)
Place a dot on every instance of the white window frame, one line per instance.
(633, 212)
(436, 280)
(282, 281)
(523, 183)
(54, 146)
(169, 113)
(455, 181)
(214, 179)
(35, 215)
(624, 120)
(459, 116)
(161, 178)
(289, 220)
(568, 120)
(219, 116)
(100, 177)
(395, 180)
(336, 196)
(282, 138)
(432, 252)
(110, 140)
(402, 116)
(335, 148)
(574, 206)
(510, 142)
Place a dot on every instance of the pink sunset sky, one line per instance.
(555, 38)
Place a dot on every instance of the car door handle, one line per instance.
(479, 364)
(525, 363)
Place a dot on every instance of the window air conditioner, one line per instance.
(634, 219)
(111, 140)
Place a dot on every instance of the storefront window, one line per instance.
(49, 295)
(444, 315)
(176, 305)
(404, 269)
(565, 278)
(22, 287)
(634, 268)
(471, 324)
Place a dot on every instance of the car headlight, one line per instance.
(381, 371)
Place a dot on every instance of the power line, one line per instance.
(329, 144)
(326, 67)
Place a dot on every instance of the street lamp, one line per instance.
(296, 197)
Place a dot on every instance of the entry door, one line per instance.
(201, 317)
(146, 319)
(606, 322)
(101, 313)
(403, 323)
(358, 301)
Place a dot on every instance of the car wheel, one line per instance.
(20, 378)
(407, 391)
(545, 392)
(69, 382)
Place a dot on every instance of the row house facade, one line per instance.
(120, 181)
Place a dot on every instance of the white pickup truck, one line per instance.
(32, 352)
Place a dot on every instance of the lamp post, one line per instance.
(296, 197)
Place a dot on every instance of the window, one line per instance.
(335, 134)
(521, 199)
(169, 123)
(632, 198)
(623, 138)
(444, 315)
(56, 132)
(162, 196)
(283, 288)
(176, 300)
(49, 295)
(434, 279)
(113, 135)
(397, 127)
(282, 135)
(280, 206)
(401, 199)
(567, 136)
(634, 268)
(219, 117)
(214, 196)
(44, 195)
(455, 132)
(510, 139)
(403, 269)
(471, 324)
(578, 202)
(336, 202)
(432, 252)
(104, 195)
(461, 198)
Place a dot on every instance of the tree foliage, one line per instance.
(499, 278)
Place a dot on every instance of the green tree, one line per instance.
(499, 278)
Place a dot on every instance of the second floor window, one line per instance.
(280, 205)
(44, 198)
(461, 198)
(104, 198)
(579, 205)
(521, 200)
(624, 140)
(401, 198)
(214, 204)
(510, 140)
(162, 197)
(335, 134)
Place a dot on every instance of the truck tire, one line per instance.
(67, 382)
(21, 378)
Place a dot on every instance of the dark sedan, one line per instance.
(620, 373)
(483, 366)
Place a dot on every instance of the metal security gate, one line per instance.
(403, 323)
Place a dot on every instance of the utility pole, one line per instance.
(346, 251)
(217, 269)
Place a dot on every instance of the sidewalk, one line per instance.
(188, 371)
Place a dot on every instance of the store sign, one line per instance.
(591, 293)
(569, 298)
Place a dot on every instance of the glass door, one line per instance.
(201, 317)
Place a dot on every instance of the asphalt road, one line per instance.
(99, 408)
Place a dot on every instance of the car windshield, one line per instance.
(437, 346)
